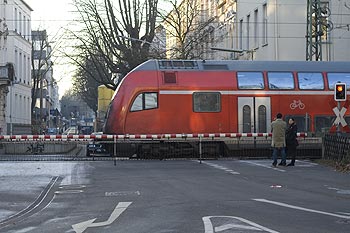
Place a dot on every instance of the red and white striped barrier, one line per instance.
(137, 136)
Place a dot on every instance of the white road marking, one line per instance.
(344, 213)
(234, 173)
(119, 209)
(302, 208)
(237, 224)
(122, 193)
(300, 163)
(339, 191)
(263, 165)
(222, 168)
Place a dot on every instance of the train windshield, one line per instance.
(338, 77)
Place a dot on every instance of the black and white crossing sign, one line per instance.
(340, 116)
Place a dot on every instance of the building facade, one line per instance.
(15, 51)
(271, 29)
(46, 109)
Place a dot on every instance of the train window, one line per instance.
(206, 102)
(151, 100)
(262, 119)
(310, 81)
(137, 105)
(338, 77)
(250, 80)
(177, 64)
(280, 80)
(302, 121)
(247, 119)
(147, 100)
(323, 123)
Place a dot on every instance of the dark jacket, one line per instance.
(291, 136)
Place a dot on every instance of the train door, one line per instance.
(254, 114)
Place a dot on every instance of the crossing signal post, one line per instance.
(340, 95)
(340, 92)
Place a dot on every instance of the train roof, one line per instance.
(245, 65)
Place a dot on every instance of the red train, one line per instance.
(193, 96)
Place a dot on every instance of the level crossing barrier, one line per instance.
(156, 146)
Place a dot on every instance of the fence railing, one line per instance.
(336, 147)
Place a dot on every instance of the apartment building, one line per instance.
(277, 29)
(45, 93)
(271, 29)
(15, 51)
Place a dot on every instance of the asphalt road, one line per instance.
(173, 196)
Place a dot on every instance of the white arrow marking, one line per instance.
(235, 226)
(208, 226)
(119, 209)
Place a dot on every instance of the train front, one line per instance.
(112, 124)
(119, 118)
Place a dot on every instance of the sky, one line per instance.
(53, 16)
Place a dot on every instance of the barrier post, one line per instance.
(115, 150)
(200, 149)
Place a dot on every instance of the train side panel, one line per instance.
(180, 105)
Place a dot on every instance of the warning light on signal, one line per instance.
(340, 92)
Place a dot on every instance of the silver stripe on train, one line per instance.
(250, 92)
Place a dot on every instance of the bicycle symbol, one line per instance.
(297, 104)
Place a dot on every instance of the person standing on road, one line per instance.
(278, 128)
(291, 141)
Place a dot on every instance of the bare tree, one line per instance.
(116, 36)
(85, 86)
(41, 65)
(190, 26)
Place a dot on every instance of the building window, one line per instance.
(16, 20)
(20, 23)
(256, 29)
(241, 34)
(264, 25)
(248, 31)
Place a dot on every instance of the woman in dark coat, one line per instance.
(291, 141)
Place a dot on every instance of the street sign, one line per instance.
(340, 116)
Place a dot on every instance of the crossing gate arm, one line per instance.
(113, 137)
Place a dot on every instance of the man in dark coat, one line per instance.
(278, 144)
(291, 141)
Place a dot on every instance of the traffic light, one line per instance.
(340, 92)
